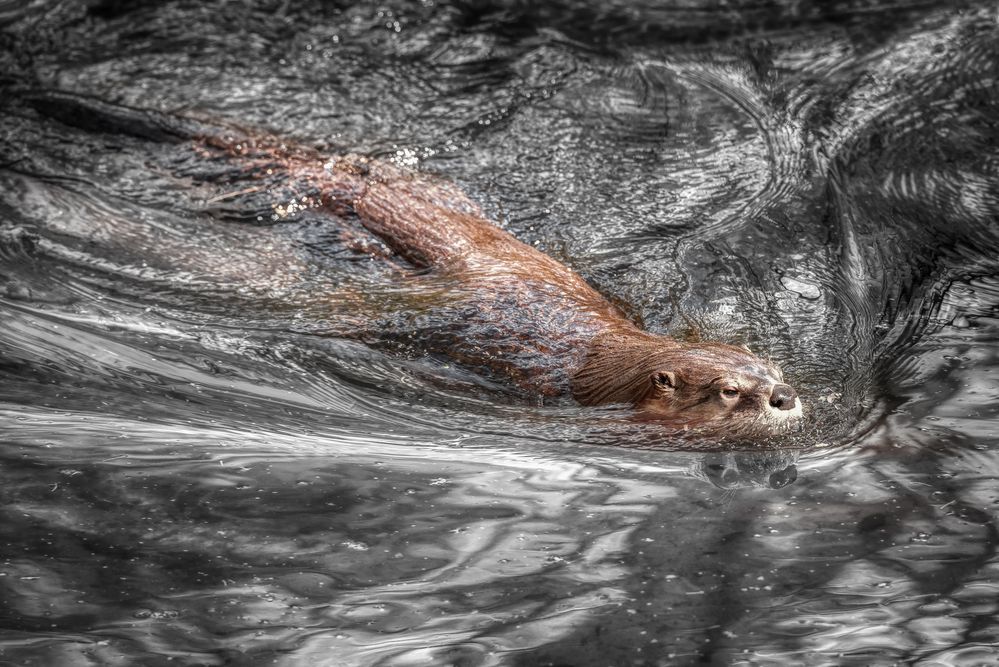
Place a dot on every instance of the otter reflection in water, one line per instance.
(521, 314)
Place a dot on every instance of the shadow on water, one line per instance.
(200, 465)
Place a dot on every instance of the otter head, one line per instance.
(714, 384)
(707, 386)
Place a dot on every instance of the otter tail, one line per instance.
(94, 115)
(424, 219)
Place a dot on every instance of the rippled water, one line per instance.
(201, 466)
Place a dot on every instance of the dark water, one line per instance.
(198, 468)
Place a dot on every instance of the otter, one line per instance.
(517, 312)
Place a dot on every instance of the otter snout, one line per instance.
(783, 397)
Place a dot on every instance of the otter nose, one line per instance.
(783, 397)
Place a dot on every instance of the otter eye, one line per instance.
(730, 392)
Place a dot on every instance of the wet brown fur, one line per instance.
(536, 321)
(504, 307)
(624, 366)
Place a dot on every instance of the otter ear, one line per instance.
(664, 381)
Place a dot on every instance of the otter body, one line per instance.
(517, 312)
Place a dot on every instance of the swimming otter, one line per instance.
(516, 311)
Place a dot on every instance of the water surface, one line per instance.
(198, 467)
